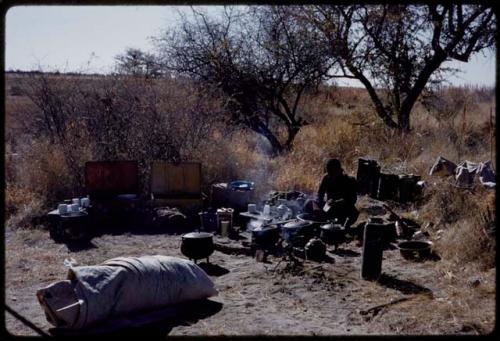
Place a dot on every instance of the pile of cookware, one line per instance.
(70, 221)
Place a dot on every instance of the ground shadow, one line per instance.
(405, 287)
(154, 324)
(345, 253)
(328, 259)
(213, 269)
(80, 245)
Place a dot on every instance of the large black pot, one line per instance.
(197, 245)
(266, 237)
(317, 219)
(332, 234)
(298, 232)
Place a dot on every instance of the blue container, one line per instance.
(241, 185)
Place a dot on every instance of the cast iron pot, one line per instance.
(316, 219)
(197, 245)
(332, 234)
(315, 249)
(266, 237)
(415, 250)
(297, 232)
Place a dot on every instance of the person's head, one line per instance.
(333, 168)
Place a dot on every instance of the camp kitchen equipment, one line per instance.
(416, 250)
(241, 185)
(315, 249)
(371, 259)
(107, 179)
(70, 226)
(405, 228)
(85, 202)
(265, 236)
(62, 208)
(297, 232)
(176, 185)
(332, 234)
(408, 190)
(208, 221)
(224, 214)
(252, 208)
(197, 245)
(317, 219)
(224, 228)
(367, 177)
(387, 230)
(388, 188)
(235, 194)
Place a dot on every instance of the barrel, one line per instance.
(407, 187)
(371, 260)
(367, 176)
(388, 187)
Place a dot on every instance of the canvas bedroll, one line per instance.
(121, 286)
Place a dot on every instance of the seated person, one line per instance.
(341, 195)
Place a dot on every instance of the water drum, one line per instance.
(367, 177)
(407, 187)
(388, 187)
(371, 259)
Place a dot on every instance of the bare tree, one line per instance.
(259, 58)
(396, 51)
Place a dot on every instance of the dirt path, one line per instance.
(258, 298)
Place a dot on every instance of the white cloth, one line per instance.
(466, 172)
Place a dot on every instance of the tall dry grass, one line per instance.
(342, 124)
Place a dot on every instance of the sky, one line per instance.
(87, 39)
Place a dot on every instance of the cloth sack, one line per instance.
(121, 286)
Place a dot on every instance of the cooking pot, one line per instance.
(315, 249)
(332, 233)
(298, 231)
(197, 245)
(316, 218)
(266, 237)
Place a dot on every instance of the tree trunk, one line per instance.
(260, 128)
(276, 147)
(404, 121)
(292, 132)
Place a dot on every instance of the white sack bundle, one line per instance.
(121, 286)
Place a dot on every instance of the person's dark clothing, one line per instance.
(343, 187)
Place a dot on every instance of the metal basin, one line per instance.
(415, 250)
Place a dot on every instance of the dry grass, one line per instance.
(343, 125)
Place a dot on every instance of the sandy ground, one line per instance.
(327, 298)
